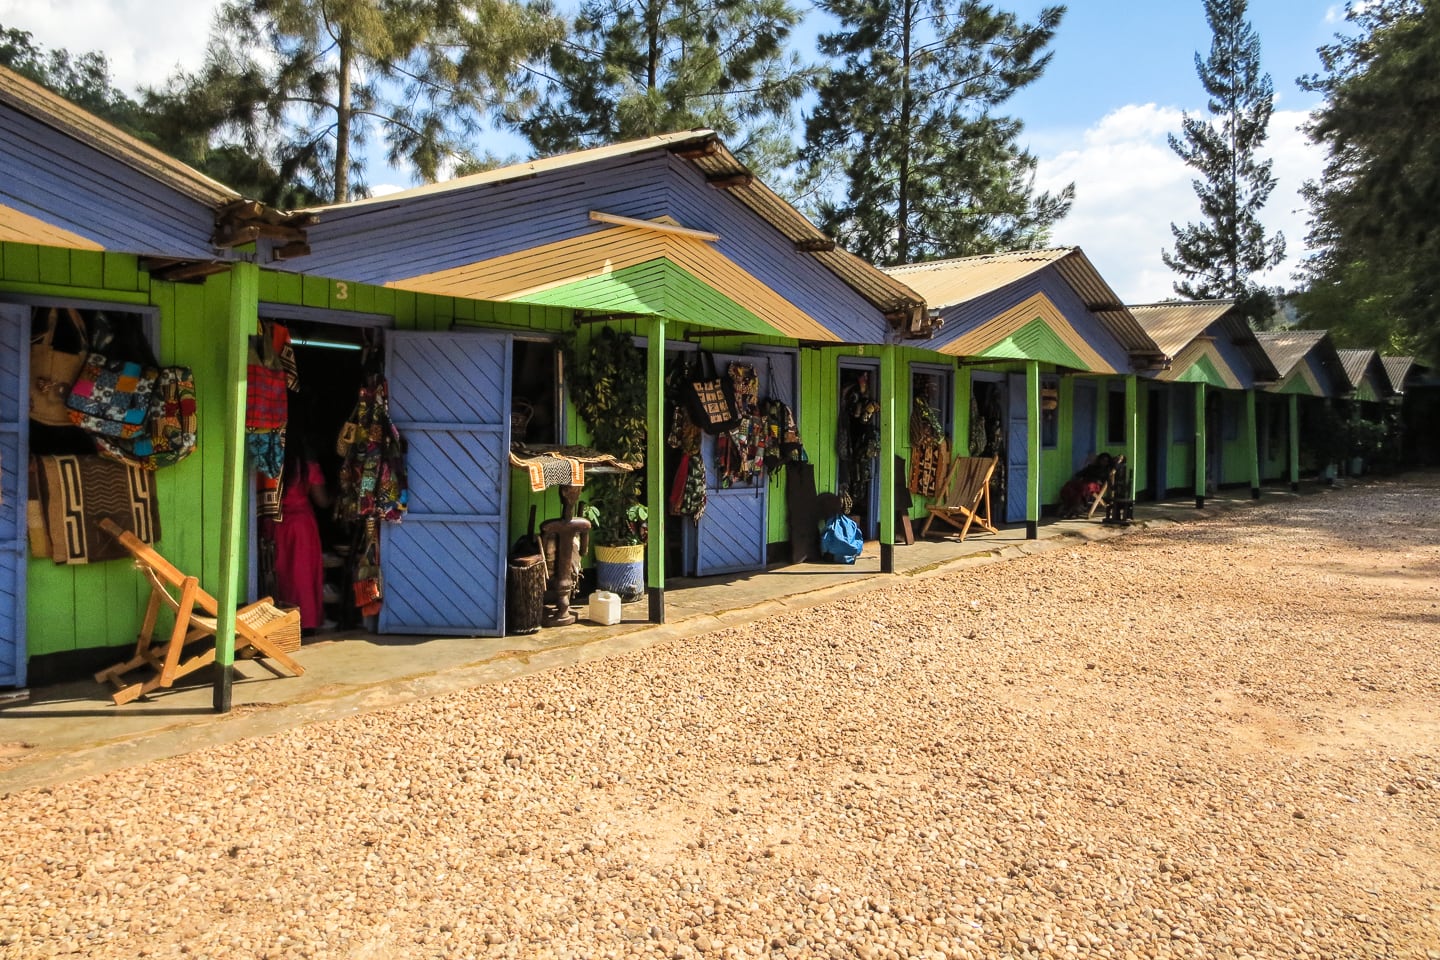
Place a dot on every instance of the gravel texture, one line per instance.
(1218, 739)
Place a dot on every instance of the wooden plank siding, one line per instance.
(451, 232)
(78, 189)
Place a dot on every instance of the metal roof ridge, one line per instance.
(526, 168)
(975, 257)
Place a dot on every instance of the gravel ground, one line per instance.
(1212, 740)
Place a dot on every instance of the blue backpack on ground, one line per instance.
(841, 541)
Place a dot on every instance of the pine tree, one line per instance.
(906, 156)
(635, 68)
(306, 82)
(1219, 256)
(1374, 275)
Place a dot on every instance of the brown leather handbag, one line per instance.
(53, 371)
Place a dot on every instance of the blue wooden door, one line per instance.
(14, 434)
(1017, 450)
(730, 537)
(444, 565)
(1084, 443)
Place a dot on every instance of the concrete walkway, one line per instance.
(73, 730)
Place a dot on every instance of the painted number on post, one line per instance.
(342, 290)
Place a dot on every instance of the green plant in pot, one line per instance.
(607, 386)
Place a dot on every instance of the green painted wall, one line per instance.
(100, 604)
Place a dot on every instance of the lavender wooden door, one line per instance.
(444, 565)
(14, 433)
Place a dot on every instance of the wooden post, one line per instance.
(1132, 429)
(960, 413)
(243, 316)
(1294, 442)
(1200, 453)
(655, 467)
(1032, 451)
(1251, 424)
(889, 389)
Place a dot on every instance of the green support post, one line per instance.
(1200, 452)
(1252, 425)
(243, 316)
(1032, 450)
(1294, 442)
(655, 467)
(1132, 429)
(889, 388)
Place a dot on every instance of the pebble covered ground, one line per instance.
(1217, 739)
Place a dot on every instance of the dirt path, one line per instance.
(1215, 740)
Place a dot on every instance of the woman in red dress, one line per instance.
(299, 564)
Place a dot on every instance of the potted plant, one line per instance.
(607, 386)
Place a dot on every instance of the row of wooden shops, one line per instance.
(466, 298)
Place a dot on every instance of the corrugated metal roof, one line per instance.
(1354, 362)
(1397, 369)
(1175, 323)
(1288, 347)
(945, 283)
(704, 149)
(57, 112)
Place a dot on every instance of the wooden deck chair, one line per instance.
(258, 626)
(966, 496)
(1101, 502)
(1103, 499)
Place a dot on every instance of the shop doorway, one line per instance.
(988, 411)
(331, 363)
(1157, 442)
(732, 533)
(858, 442)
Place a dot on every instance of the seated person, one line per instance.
(1080, 490)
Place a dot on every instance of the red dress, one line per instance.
(299, 565)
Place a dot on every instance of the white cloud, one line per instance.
(144, 40)
(1130, 186)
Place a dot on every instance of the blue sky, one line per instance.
(1121, 76)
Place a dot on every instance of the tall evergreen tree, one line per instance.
(634, 68)
(906, 156)
(306, 82)
(1219, 256)
(1374, 275)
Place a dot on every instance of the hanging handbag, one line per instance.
(54, 371)
(710, 399)
(171, 427)
(267, 405)
(111, 396)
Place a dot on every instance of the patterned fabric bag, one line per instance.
(171, 435)
(111, 396)
(710, 399)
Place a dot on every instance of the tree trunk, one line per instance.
(902, 208)
(652, 30)
(342, 120)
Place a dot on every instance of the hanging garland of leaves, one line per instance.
(607, 386)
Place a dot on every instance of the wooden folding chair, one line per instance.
(258, 626)
(1102, 499)
(1114, 481)
(966, 498)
